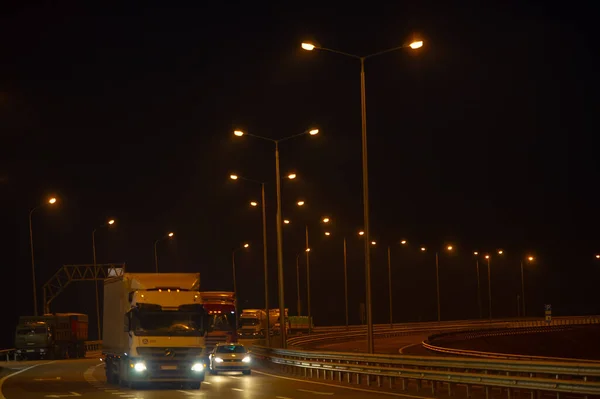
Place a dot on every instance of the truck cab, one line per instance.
(54, 336)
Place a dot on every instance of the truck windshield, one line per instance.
(221, 322)
(249, 322)
(167, 323)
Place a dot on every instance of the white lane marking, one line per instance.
(128, 396)
(315, 392)
(206, 382)
(111, 390)
(6, 377)
(47, 379)
(282, 397)
(236, 377)
(63, 396)
(191, 393)
(407, 346)
(237, 389)
(340, 386)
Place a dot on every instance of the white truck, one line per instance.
(253, 323)
(154, 329)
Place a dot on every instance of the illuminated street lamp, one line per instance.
(280, 279)
(241, 247)
(165, 237)
(109, 222)
(365, 175)
(476, 254)
(325, 219)
(403, 242)
(286, 221)
(300, 203)
(50, 201)
(253, 203)
(529, 259)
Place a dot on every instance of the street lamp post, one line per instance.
(244, 246)
(51, 201)
(291, 176)
(478, 285)
(308, 310)
(365, 175)
(280, 279)
(110, 222)
(389, 264)
(169, 235)
(530, 259)
(487, 257)
(299, 308)
(346, 283)
(437, 286)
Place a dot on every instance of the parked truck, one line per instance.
(253, 323)
(154, 329)
(300, 324)
(52, 336)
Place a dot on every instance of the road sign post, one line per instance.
(548, 313)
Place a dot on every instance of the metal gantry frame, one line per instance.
(70, 273)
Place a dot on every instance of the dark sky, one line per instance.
(484, 138)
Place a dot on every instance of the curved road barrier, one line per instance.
(436, 373)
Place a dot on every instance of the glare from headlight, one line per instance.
(139, 367)
(197, 367)
(218, 360)
(246, 359)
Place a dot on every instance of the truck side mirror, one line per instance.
(126, 324)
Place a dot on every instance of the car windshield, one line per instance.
(231, 349)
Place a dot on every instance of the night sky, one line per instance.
(483, 139)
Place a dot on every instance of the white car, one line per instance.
(230, 357)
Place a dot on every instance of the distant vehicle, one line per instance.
(220, 309)
(230, 357)
(253, 323)
(52, 336)
(154, 328)
(300, 324)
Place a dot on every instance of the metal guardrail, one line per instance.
(91, 348)
(384, 331)
(431, 344)
(437, 372)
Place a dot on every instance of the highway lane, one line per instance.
(85, 379)
(408, 343)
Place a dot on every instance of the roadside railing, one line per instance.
(438, 342)
(436, 373)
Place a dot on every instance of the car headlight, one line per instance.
(197, 367)
(139, 367)
(246, 359)
(218, 360)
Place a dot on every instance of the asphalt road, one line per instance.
(85, 379)
(410, 345)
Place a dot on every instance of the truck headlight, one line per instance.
(197, 367)
(218, 360)
(139, 367)
(246, 359)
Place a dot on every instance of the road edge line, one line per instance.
(340, 386)
(6, 377)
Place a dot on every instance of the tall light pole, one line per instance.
(169, 235)
(280, 279)
(243, 246)
(389, 264)
(365, 175)
(478, 284)
(487, 257)
(326, 220)
(299, 306)
(51, 201)
(449, 248)
(529, 259)
(263, 203)
(110, 222)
